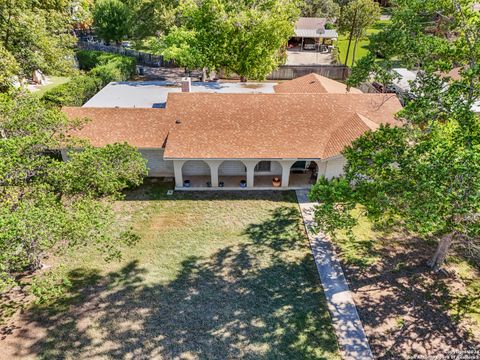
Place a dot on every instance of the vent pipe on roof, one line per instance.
(186, 84)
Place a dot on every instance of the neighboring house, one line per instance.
(218, 140)
(310, 34)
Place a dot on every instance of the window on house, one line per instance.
(263, 166)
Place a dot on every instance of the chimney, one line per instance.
(186, 84)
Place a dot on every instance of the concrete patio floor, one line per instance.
(297, 57)
(263, 182)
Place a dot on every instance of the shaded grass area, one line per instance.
(361, 249)
(54, 82)
(465, 302)
(215, 276)
(406, 308)
(362, 46)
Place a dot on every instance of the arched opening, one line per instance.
(196, 173)
(232, 173)
(268, 174)
(303, 173)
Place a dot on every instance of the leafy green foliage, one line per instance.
(46, 204)
(35, 35)
(424, 176)
(236, 37)
(111, 20)
(8, 69)
(50, 287)
(150, 17)
(329, 9)
(104, 68)
(75, 92)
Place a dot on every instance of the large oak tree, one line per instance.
(241, 37)
(423, 176)
(34, 35)
(46, 204)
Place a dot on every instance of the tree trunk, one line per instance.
(442, 250)
(243, 79)
(204, 74)
(354, 51)
(350, 37)
(354, 24)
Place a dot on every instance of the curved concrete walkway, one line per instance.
(351, 337)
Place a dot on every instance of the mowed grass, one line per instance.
(214, 276)
(362, 45)
(54, 81)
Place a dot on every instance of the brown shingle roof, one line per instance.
(313, 84)
(312, 124)
(272, 125)
(144, 128)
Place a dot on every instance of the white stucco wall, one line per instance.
(196, 167)
(231, 168)
(334, 167)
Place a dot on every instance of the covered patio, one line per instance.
(259, 174)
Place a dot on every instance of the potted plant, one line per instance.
(276, 182)
(243, 183)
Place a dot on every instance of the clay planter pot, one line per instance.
(276, 182)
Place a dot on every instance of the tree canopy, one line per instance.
(329, 9)
(237, 37)
(34, 35)
(46, 204)
(111, 20)
(424, 176)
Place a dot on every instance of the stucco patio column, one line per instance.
(250, 165)
(286, 166)
(177, 170)
(214, 165)
(322, 168)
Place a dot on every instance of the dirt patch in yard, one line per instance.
(404, 306)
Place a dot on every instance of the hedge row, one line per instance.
(102, 68)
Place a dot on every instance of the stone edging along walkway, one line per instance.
(352, 341)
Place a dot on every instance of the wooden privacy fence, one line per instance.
(288, 72)
(141, 57)
(285, 72)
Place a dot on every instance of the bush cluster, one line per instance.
(102, 68)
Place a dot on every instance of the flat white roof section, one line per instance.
(153, 94)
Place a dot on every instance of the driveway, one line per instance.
(308, 58)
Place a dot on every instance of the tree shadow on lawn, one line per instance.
(404, 305)
(257, 299)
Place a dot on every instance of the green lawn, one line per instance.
(362, 46)
(214, 276)
(54, 81)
